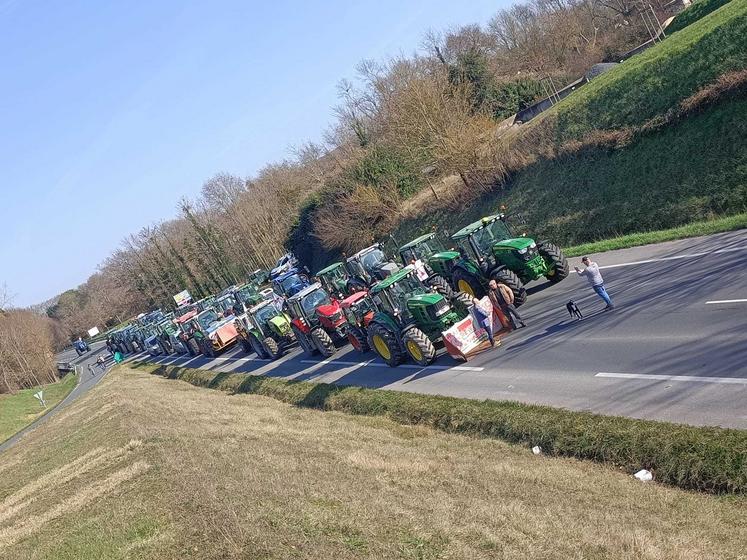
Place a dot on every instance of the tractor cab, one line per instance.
(334, 278)
(267, 318)
(291, 282)
(430, 250)
(225, 305)
(220, 331)
(246, 296)
(370, 265)
(358, 309)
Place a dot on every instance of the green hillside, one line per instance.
(636, 149)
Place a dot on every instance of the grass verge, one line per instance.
(701, 458)
(142, 467)
(20, 409)
(720, 225)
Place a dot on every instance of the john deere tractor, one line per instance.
(438, 261)
(488, 251)
(410, 318)
(265, 330)
(316, 320)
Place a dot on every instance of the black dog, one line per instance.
(573, 310)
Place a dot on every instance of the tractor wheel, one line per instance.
(323, 342)
(555, 259)
(462, 301)
(192, 347)
(419, 347)
(246, 345)
(384, 342)
(207, 348)
(357, 339)
(505, 276)
(303, 340)
(468, 283)
(272, 348)
(441, 286)
(257, 346)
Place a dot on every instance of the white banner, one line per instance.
(183, 298)
(93, 332)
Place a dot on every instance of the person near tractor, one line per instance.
(483, 320)
(591, 271)
(502, 298)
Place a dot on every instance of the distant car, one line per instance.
(81, 347)
(284, 264)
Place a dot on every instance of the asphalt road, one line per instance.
(664, 353)
(85, 383)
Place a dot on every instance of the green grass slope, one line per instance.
(678, 171)
(696, 11)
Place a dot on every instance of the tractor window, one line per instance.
(289, 282)
(313, 300)
(427, 248)
(207, 319)
(266, 313)
(372, 260)
(408, 255)
(245, 293)
(486, 237)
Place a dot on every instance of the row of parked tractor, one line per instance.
(397, 308)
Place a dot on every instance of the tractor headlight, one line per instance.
(533, 245)
(441, 308)
(523, 251)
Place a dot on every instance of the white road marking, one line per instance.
(727, 301)
(691, 378)
(406, 366)
(675, 257)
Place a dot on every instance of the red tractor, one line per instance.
(359, 310)
(317, 320)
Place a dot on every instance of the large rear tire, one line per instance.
(384, 343)
(555, 260)
(257, 346)
(419, 347)
(357, 338)
(272, 348)
(304, 341)
(246, 345)
(441, 286)
(468, 283)
(462, 302)
(323, 342)
(207, 348)
(505, 276)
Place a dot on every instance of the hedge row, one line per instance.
(702, 458)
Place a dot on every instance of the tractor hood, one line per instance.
(444, 256)
(280, 324)
(387, 268)
(513, 244)
(328, 310)
(425, 299)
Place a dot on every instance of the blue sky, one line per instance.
(112, 111)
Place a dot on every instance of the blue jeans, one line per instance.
(602, 293)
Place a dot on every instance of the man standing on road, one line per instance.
(503, 298)
(595, 279)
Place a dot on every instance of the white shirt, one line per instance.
(592, 274)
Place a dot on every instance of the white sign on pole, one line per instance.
(40, 397)
(93, 332)
(183, 298)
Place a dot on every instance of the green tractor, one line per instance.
(489, 251)
(265, 330)
(410, 318)
(367, 267)
(437, 259)
(335, 279)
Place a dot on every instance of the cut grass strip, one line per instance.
(700, 458)
(20, 409)
(720, 225)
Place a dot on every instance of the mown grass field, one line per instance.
(689, 170)
(145, 467)
(20, 409)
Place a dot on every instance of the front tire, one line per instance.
(555, 260)
(384, 343)
(419, 347)
(468, 283)
(303, 340)
(246, 345)
(441, 286)
(358, 339)
(323, 342)
(272, 348)
(508, 278)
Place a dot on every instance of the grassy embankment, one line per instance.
(20, 409)
(143, 467)
(630, 152)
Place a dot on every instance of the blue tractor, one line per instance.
(290, 283)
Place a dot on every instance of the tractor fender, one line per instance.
(301, 326)
(469, 267)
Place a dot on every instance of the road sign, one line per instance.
(93, 332)
(183, 298)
